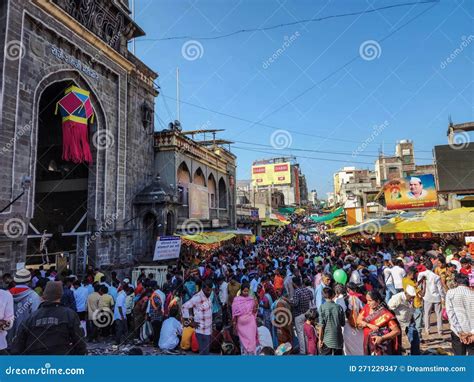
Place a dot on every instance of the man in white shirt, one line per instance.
(264, 336)
(224, 298)
(355, 276)
(171, 332)
(460, 308)
(402, 305)
(388, 280)
(433, 296)
(398, 273)
(120, 316)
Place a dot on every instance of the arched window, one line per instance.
(184, 178)
(222, 194)
(211, 186)
(199, 178)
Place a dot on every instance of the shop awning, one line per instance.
(434, 221)
(330, 216)
(273, 223)
(209, 237)
(286, 210)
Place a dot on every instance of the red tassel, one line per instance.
(76, 147)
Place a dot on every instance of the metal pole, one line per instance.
(177, 94)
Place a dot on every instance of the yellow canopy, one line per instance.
(209, 237)
(434, 221)
(452, 221)
(273, 223)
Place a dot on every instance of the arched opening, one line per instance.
(150, 234)
(61, 187)
(184, 178)
(199, 178)
(169, 224)
(222, 194)
(211, 186)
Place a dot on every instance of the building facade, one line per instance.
(84, 210)
(202, 179)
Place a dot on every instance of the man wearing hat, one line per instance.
(53, 329)
(402, 305)
(25, 301)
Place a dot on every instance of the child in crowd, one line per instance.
(310, 333)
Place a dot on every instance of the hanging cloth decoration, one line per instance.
(76, 109)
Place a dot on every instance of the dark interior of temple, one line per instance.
(61, 187)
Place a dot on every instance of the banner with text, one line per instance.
(167, 247)
(268, 174)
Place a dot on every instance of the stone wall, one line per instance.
(123, 158)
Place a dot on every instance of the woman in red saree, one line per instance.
(244, 318)
(382, 335)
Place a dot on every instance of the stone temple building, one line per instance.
(85, 210)
(106, 209)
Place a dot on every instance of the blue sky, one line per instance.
(400, 87)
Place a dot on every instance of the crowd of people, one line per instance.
(291, 292)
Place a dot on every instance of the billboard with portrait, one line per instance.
(268, 174)
(417, 191)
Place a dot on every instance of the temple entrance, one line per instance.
(61, 188)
